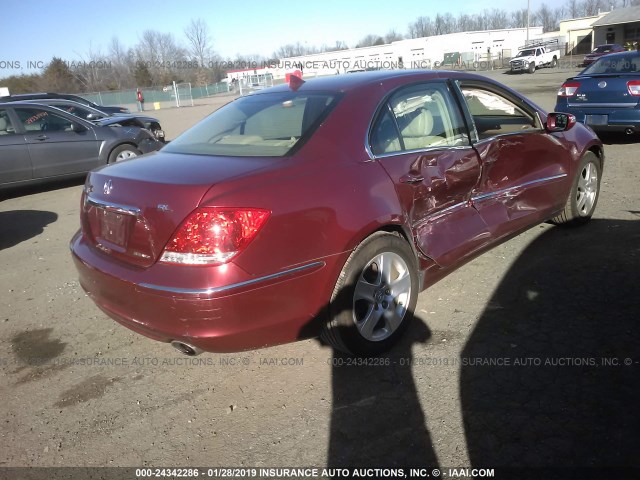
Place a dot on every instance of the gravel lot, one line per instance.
(555, 310)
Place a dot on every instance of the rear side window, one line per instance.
(269, 125)
(418, 117)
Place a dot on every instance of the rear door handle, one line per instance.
(42, 137)
(412, 179)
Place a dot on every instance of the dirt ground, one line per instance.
(527, 356)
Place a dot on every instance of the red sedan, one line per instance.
(325, 207)
(600, 51)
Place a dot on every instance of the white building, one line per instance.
(415, 53)
(425, 52)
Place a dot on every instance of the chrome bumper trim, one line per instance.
(113, 207)
(224, 288)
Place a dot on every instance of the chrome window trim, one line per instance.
(224, 288)
(510, 134)
(423, 150)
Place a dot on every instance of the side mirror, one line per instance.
(93, 116)
(560, 122)
(77, 128)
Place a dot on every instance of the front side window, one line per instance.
(268, 124)
(39, 120)
(418, 117)
(494, 114)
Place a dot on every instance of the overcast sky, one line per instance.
(37, 30)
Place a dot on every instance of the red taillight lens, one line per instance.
(634, 87)
(213, 236)
(568, 89)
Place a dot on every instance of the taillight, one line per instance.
(568, 89)
(634, 87)
(213, 235)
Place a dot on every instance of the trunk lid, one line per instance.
(604, 91)
(131, 209)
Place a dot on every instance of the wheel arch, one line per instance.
(598, 151)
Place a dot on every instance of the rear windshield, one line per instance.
(259, 125)
(613, 64)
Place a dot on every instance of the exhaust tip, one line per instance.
(186, 349)
(629, 131)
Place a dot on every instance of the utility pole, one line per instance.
(528, 8)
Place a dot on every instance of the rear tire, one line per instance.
(585, 191)
(374, 297)
(554, 62)
(123, 152)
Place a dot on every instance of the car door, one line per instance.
(15, 163)
(419, 137)
(57, 147)
(524, 168)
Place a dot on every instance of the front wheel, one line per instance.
(584, 192)
(374, 297)
(123, 152)
(532, 67)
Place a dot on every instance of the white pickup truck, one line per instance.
(534, 57)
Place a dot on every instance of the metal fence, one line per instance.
(154, 97)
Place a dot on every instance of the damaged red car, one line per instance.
(325, 207)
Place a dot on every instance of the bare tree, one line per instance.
(547, 18)
(370, 40)
(466, 22)
(122, 64)
(294, 50)
(162, 56)
(421, 27)
(93, 71)
(496, 19)
(199, 41)
(593, 7)
(444, 24)
(519, 18)
(392, 36)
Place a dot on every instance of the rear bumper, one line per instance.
(259, 312)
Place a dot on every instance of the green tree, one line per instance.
(57, 77)
(22, 83)
(142, 75)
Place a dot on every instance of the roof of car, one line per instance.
(37, 96)
(359, 79)
(632, 53)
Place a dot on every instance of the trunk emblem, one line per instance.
(108, 186)
(602, 84)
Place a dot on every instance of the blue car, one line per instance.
(606, 94)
